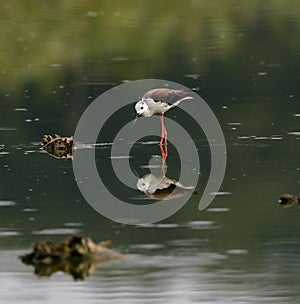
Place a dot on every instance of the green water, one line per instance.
(56, 57)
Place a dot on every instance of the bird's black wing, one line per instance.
(168, 96)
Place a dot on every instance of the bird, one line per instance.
(158, 101)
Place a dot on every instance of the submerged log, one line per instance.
(76, 255)
(58, 146)
(287, 200)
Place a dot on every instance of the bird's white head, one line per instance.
(142, 108)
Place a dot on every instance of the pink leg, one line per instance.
(164, 133)
(161, 116)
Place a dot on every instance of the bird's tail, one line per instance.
(180, 100)
(196, 89)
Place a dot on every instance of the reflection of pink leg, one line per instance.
(164, 155)
(165, 136)
(163, 148)
(163, 161)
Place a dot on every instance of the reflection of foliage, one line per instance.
(78, 268)
(123, 38)
(77, 255)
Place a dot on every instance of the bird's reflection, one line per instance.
(77, 256)
(58, 146)
(160, 187)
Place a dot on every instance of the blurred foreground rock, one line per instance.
(76, 255)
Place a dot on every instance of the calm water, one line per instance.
(56, 58)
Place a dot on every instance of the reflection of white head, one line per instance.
(148, 183)
(143, 184)
(142, 108)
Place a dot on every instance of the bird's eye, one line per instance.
(142, 108)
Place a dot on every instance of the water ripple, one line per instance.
(56, 231)
(7, 203)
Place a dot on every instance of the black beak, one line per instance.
(136, 118)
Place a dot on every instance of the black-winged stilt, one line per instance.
(159, 101)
